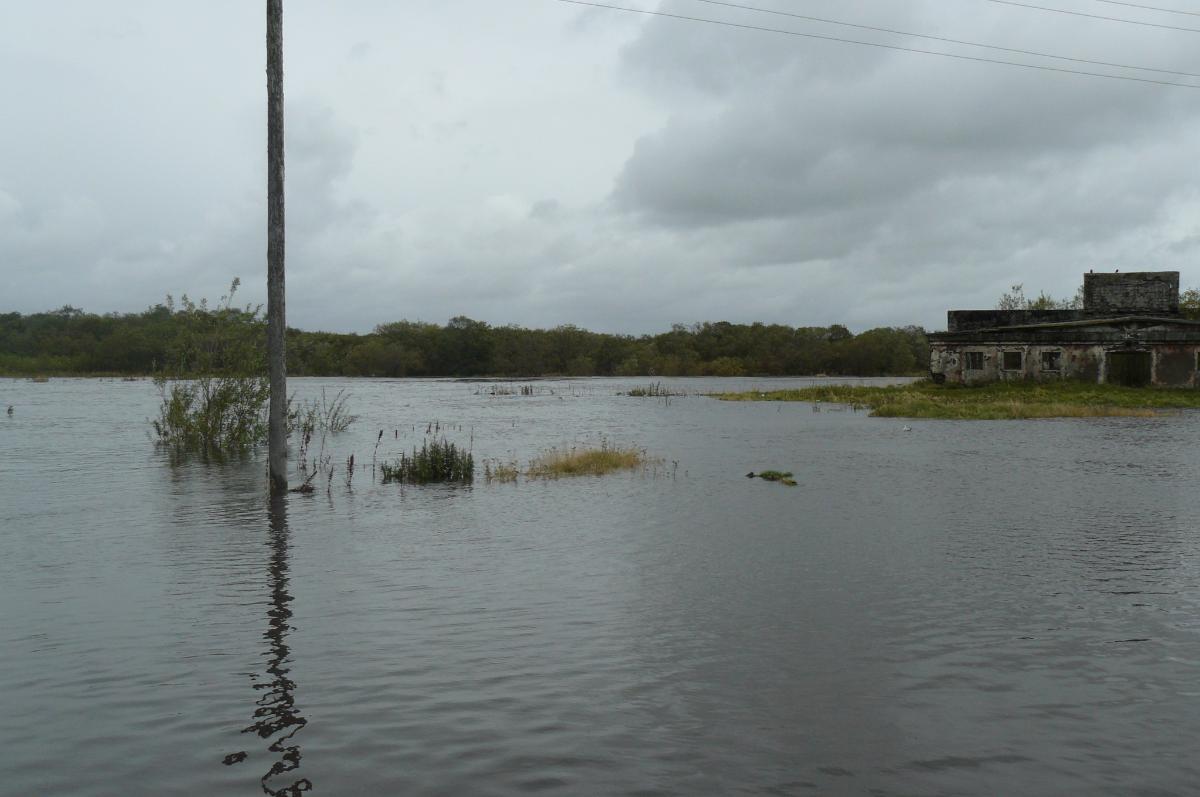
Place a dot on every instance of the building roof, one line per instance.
(1145, 328)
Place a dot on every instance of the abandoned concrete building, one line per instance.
(1129, 331)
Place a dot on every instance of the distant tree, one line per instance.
(1189, 303)
(1014, 299)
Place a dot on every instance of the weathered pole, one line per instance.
(276, 320)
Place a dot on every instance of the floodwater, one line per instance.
(966, 608)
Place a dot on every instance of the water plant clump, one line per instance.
(783, 477)
(507, 390)
(503, 472)
(325, 415)
(214, 391)
(214, 415)
(435, 461)
(559, 462)
(653, 390)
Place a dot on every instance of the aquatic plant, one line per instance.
(507, 390)
(324, 415)
(994, 401)
(501, 471)
(375, 451)
(435, 461)
(213, 399)
(654, 390)
(215, 415)
(597, 461)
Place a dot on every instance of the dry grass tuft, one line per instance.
(558, 462)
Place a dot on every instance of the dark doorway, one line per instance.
(1129, 368)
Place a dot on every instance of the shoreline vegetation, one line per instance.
(995, 401)
(163, 340)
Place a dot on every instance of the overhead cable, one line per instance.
(1095, 16)
(947, 39)
(1150, 8)
(822, 37)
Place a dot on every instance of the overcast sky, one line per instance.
(540, 163)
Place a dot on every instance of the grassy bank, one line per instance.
(1002, 400)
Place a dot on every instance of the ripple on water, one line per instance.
(964, 609)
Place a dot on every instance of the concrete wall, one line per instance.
(1172, 365)
(1133, 293)
(965, 320)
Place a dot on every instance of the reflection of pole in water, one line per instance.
(276, 712)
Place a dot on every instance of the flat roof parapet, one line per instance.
(1131, 293)
(966, 320)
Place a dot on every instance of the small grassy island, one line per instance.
(994, 401)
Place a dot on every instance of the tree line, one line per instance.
(186, 338)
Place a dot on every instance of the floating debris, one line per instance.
(783, 477)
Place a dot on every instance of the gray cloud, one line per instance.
(541, 164)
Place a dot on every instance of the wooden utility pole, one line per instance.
(276, 321)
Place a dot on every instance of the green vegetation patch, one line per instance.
(994, 401)
(434, 461)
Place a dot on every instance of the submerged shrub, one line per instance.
(435, 461)
(214, 389)
(214, 415)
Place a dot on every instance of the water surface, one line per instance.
(964, 608)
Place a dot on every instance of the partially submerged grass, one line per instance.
(995, 401)
(326, 415)
(559, 462)
(555, 463)
(498, 471)
(434, 461)
(654, 390)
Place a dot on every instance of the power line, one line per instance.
(879, 45)
(1096, 16)
(1150, 8)
(947, 39)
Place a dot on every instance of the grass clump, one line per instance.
(558, 462)
(324, 415)
(653, 390)
(502, 472)
(993, 401)
(435, 461)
